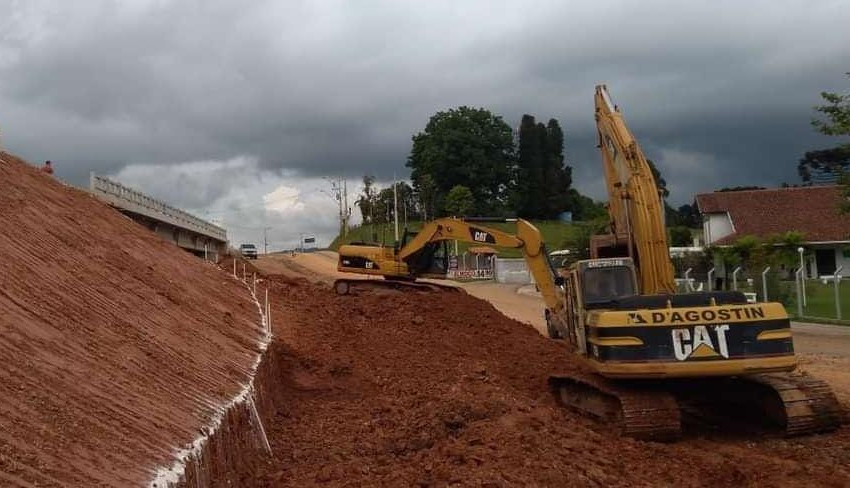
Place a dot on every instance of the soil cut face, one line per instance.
(440, 389)
(116, 347)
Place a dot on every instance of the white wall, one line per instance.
(716, 226)
(842, 261)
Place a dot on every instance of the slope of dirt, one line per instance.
(115, 346)
(413, 389)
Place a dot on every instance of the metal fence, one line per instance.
(803, 297)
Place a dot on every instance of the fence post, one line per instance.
(764, 282)
(797, 279)
(836, 278)
(688, 286)
(735, 278)
(710, 279)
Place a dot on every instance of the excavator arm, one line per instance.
(634, 204)
(527, 239)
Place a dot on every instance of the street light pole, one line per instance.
(802, 273)
(266, 240)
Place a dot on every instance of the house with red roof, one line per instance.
(811, 210)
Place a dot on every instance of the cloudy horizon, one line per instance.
(236, 112)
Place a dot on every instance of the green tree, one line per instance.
(585, 208)
(835, 160)
(837, 123)
(460, 201)
(558, 175)
(465, 146)
(426, 194)
(531, 162)
(543, 181)
(671, 215)
(837, 112)
(689, 215)
(680, 236)
(365, 201)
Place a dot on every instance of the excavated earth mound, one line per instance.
(417, 389)
(116, 347)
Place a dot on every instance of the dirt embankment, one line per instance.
(115, 346)
(407, 389)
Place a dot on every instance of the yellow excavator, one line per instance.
(652, 353)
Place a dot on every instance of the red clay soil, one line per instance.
(414, 389)
(116, 347)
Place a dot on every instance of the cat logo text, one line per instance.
(700, 342)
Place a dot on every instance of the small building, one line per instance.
(811, 210)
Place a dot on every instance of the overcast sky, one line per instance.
(236, 110)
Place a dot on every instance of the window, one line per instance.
(605, 284)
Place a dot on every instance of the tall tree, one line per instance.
(558, 176)
(530, 173)
(366, 200)
(837, 112)
(834, 160)
(837, 123)
(543, 182)
(426, 193)
(465, 146)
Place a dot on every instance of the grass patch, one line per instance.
(820, 302)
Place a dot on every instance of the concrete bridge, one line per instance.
(187, 231)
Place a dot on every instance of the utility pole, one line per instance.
(339, 192)
(266, 240)
(395, 208)
(347, 210)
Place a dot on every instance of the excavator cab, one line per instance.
(604, 281)
(431, 261)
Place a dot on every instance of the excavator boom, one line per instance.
(634, 204)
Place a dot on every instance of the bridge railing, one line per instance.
(136, 201)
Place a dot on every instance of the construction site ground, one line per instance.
(124, 360)
(436, 389)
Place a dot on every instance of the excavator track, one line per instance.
(808, 405)
(345, 286)
(645, 414)
(797, 404)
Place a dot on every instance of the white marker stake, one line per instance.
(243, 272)
(267, 308)
(255, 283)
(234, 267)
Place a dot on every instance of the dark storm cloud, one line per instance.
(718, 93)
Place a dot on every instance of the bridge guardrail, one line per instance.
(121, 196)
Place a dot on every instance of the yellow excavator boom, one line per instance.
(634, 204)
